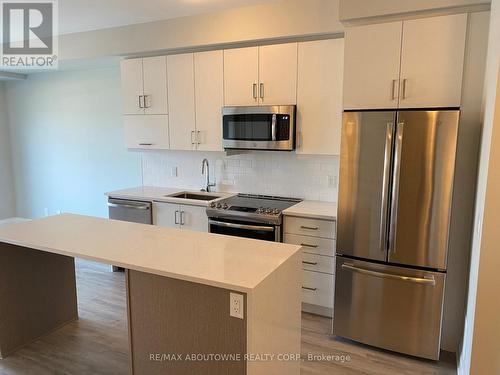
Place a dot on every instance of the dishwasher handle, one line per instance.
(141, 206)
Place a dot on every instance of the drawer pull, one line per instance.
(310, 228)
(307, 245)
(311, 263)
(311, 289)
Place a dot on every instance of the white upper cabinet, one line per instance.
(155, 85)
(209, 95)
(409, 64)
(278, 74)
(241, 76)
(319, 96)
(265, 75)
(432, 61)
(144, 86)
(146, 132)
(181, 100)
(371, 68)
(132, 86)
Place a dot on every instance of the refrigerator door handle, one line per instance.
(417, 280)
(385, 186)
(395, 187)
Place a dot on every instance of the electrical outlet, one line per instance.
(236, 305)
(173, 172)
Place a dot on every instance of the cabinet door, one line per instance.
(166, 214)
(155, 85)
(371, 66)
(432, 61)
(319, 96)
(146, 131)
(194, 218)
(241, 76)
(209, 93)
(132, 86)
(278, 74)
(181, 101)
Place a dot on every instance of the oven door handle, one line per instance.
(241, 226)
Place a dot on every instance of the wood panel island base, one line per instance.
(181, 292)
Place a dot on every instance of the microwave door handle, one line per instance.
(273, 127)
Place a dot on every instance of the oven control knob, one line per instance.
(225, 206)
(212, 205)
(268, 210)
(260, 210)
(219, 205)
(276, 211)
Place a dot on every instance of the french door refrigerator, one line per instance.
(395, 194)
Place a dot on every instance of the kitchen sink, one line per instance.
(199, 197)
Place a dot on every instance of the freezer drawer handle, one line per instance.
(311, 289)
(310, 228)
(418, 280)
(307, 245)
(310, 263)
(137, 207)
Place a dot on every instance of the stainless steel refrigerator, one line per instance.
(395, 195)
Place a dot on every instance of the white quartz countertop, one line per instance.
(223, 261)
(161, 194)
(313, 210)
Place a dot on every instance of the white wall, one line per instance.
(281, 19)
(7, 204)
(67, 144)
(270, 173)
(350, 10)
(490, 92)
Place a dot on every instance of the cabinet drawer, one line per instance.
(317, 288)
(310, 227)
(318, 263)
(313, 245)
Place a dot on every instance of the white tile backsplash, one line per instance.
(272, 173)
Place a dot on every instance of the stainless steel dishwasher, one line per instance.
(130, 210)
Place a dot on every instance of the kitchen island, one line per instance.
(181, 292)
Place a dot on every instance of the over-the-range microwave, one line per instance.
(259, 128)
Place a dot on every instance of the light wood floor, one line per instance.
(97, 343)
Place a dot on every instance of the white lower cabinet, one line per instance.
(180, 216)
(317, 238)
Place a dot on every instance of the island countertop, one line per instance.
(222, 261)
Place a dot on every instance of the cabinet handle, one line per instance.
(182, 218)
(310, 228)
(146, 144)
(146, 101)
(311, 289)
(310, 263)
(404, 89)
(176, 221)
(192, 136)
(141, 97)
(254, 91)
(261, 91)
(307, 245)
(198, 137)
(393, 89)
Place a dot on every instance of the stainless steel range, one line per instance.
(250, 216)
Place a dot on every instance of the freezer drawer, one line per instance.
(389, 307)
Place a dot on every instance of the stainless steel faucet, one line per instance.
(209, 185)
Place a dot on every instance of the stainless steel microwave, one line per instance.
(259, 128)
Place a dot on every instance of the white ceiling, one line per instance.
(85, 15)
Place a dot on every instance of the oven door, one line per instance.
(247, 230)
(264, 128)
